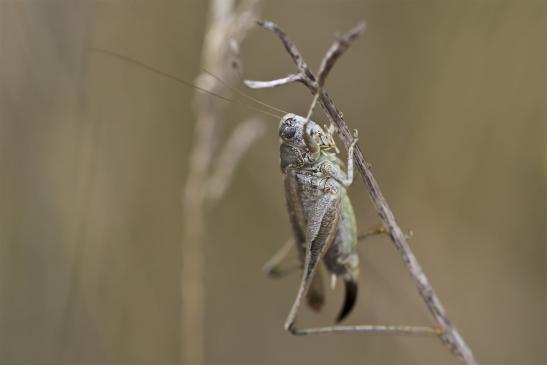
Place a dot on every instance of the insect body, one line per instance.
(320, 211)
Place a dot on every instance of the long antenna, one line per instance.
(182, 81)
(241, 93)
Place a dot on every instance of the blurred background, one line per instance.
(450, 101)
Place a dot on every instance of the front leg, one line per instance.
(334, 171)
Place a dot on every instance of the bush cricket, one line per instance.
(320, 212)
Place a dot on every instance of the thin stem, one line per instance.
(226, 25)
(448, 332)
(336, 50)
(289, 46)
(239, 142)
(273, 83)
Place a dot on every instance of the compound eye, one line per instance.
(288, 132)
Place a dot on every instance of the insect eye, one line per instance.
(288, 132)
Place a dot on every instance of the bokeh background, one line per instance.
(450, 101)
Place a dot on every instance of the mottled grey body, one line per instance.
(319, 208)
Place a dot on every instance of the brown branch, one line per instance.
(290, 47)
(450, 334)
(336, 50)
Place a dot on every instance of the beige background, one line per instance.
(450, 100)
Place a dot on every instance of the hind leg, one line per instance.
(274, 267)
(322, 223)
(370, 329)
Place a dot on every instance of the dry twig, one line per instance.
(449, 333)
(244, 135)
(228, 26)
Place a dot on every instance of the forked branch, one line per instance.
(449, 333)
(336, 50)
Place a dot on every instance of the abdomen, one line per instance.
(341, 258)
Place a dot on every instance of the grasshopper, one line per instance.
(323, 222)
(320, 212)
